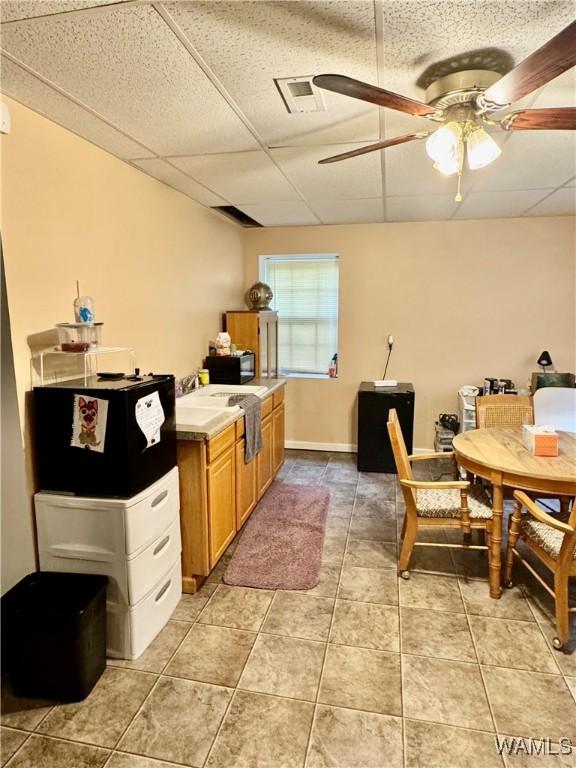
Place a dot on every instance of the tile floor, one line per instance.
(363, 671)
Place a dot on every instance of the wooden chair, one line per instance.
(503, 411)
(449, 504)
(553, 541)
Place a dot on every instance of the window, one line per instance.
(305, 291)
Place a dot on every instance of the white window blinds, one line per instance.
(305, 291)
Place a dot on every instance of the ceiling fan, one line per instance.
(464, 103)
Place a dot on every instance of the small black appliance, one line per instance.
(374, 403)
(231, 369)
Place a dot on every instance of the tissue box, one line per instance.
(541, 441)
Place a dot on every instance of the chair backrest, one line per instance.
(503, 411)
(403, 466)
(556, 406)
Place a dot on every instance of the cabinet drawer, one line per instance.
(267, 406)
(218, 444)
(278, 397)
(129, 631)
(145, 569)
(240, 428)
(152, 514)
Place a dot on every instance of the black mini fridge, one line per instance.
(104, 437)
(374, 403)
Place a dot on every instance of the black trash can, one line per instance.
(54, 626)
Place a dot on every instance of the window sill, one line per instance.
(285, 375)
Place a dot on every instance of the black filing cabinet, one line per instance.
(374, 403)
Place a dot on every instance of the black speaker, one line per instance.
(374, 403)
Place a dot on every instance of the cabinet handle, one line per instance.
(162, 544)
(163, 591)
(159, 498)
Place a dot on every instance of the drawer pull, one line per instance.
(162, 544)
(160, 498)
(163, 591)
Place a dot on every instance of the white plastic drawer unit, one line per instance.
(129, 632)
(146, 568)
(102, 529)
(152, 511)
(135, 542)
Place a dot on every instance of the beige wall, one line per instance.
(464, 300)
(161, 268)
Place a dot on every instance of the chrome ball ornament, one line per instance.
(259, 296)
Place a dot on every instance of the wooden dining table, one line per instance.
(499, 456)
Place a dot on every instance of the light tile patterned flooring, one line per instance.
(363, 671)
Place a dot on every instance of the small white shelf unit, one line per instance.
(90, 363)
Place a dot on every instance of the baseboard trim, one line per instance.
(302, 445)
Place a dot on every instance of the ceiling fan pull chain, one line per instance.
(458, 198)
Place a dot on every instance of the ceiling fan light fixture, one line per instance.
(447, 167)
(442, 146)
(481, 149)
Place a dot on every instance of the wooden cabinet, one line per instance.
(264, 458)
(218, 490)
(246, 492)
(258, 332)
(278, 451)
(221, 503)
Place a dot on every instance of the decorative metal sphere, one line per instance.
(259, 296)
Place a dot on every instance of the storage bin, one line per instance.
(56, 633)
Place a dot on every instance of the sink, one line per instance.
(205, 408)
(202, 418)
(216, 395)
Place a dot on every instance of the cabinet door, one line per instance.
(278, 438)
(221, 503)
(245, 485)
(264, 458)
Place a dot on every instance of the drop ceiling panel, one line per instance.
(128, 66)
(280, 214)
(530, 160)
(247, 44)
(359, 177)
(419, 208)
(11, 10)
(562, 202)
(419, 33)
(240, 177)
(165, 172)
(495, 205)
(348, 211)
(33, 93)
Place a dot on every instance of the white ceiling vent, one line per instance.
(300, 94)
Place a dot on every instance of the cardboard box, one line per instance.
(541, 441)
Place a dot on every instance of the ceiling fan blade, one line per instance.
(550, 119)
(549, 61)
(373, 147)
(347, 86)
